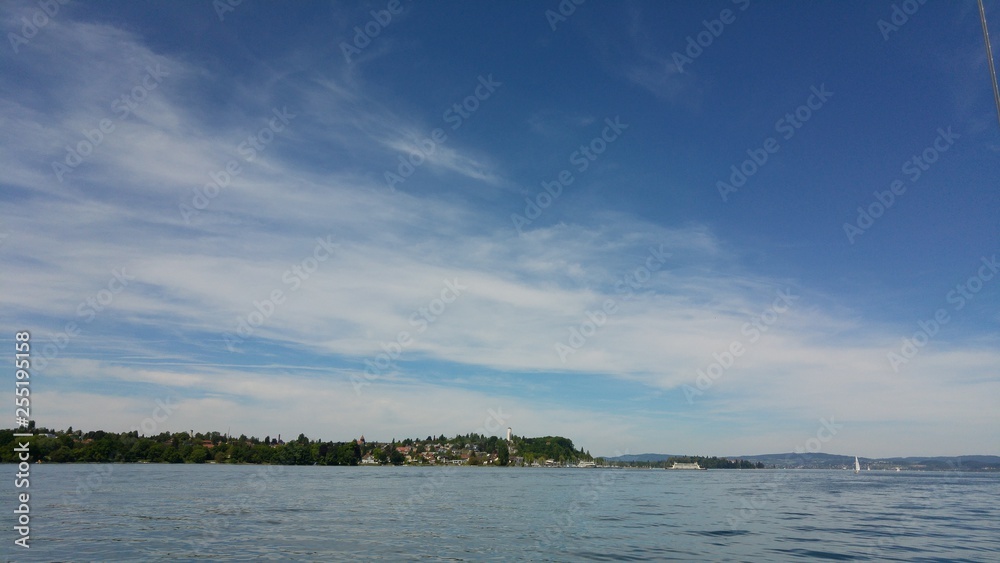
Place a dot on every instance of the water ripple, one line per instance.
(163, 513)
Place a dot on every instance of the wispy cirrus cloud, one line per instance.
(192, 281)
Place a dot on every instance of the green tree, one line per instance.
(62, 455)
(172, 456)
(347, 454)
(197, 454)
(155, 452)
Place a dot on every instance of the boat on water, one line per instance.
(680, 465)
(586, 464)
(857, 465)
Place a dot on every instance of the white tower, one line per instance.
(508, 433)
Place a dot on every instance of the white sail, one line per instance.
(857, 465)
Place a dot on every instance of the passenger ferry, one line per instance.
(679, 465)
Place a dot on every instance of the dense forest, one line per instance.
(98, 446)
(101, 447)
(556, 448)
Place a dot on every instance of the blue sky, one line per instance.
(201, 211)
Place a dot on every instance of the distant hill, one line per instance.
(662, 460)
(793, 460)
(832, 461)
(957, 463)
(642, 457)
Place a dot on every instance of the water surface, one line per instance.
(168, 512)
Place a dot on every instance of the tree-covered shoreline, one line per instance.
(98, 446)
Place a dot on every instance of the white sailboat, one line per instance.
(857, 465)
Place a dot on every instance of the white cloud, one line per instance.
(162, 335)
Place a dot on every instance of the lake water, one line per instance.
(170, 512)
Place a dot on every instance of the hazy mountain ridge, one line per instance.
(833, 461)
(643, 457)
